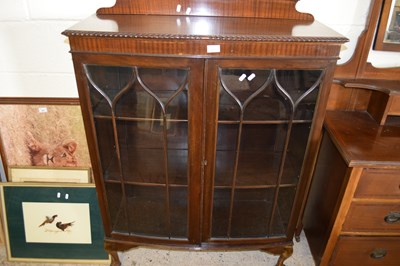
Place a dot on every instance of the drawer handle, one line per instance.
(392, 217)
(378, 253)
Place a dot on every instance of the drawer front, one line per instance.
(379, 183)
(373, 217)
(366, 251)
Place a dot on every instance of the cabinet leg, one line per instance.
(283, 252)
(114, 258)
(298, 231)
(113, 248)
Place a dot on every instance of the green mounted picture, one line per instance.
(52, 223)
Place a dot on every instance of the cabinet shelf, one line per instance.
(139, 168)
(256, 186)
(179, 185)
(264, 122)
(143, 184)
(139, 119)
(224, 122)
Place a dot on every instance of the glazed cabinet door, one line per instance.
(258, 131)
(144, 118)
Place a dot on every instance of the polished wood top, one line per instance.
(361, 141)
(227, 8)
(390, 87)
(204, 28)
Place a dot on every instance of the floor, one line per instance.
(156, 257)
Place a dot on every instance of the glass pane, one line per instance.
(142, 151)
(107, 151)
(141, 125)
(250, 216)
(259, 156)
(117, 208)
(283, 211)
(264, 122)
(149, 214)
(296, 83)
(106, 82)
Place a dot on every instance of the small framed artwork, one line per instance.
(52, 223)
(42, 133)
(44, 174)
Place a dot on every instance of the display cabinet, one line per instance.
(203, 119)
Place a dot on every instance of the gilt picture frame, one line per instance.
(52, 223)
(44, 174)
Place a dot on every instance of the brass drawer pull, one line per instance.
(392, 217)
(378, 253)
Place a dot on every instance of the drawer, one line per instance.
(379, 183)
(366, 251)
(370, 217)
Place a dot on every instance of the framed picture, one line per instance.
(44, 174)
(388, 30)
(52, 223)
(42, 133)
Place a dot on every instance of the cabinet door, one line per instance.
(146, 115)
(259, 128)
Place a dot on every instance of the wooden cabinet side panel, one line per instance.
(84, 99)
(325, 195)
(377, 106)
(349, 99)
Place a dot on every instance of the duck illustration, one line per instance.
(62, 226)
(48, 220)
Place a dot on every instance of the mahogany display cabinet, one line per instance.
(203, 119)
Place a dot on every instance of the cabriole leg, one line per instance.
(284, 252)
(114, 258)
(113, 248)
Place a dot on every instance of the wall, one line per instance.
(34, 58)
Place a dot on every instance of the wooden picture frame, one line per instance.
(388, 31)
(44, 174)
(72, 232)
(42, 133)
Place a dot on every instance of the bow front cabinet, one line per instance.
(203, 119)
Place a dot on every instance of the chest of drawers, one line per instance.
(353, 212)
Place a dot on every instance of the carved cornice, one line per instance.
(267, 38)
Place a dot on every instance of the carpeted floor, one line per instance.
(157, 257)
